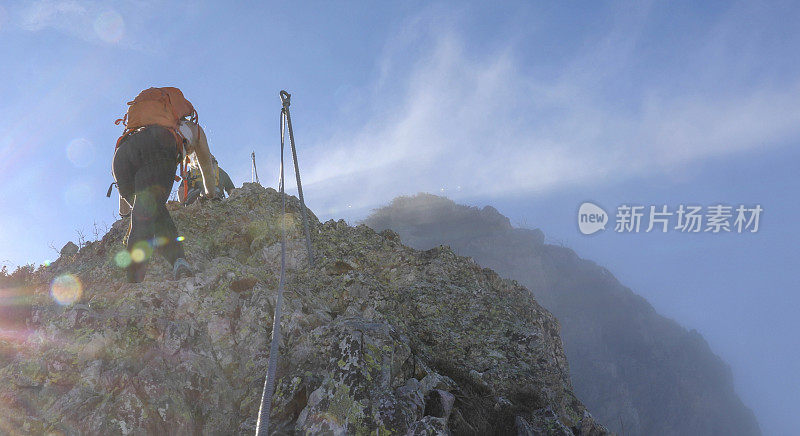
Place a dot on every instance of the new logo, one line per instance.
(591, 218)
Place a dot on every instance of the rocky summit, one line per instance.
(378, 338)
(639, 372)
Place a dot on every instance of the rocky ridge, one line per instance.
(378, 338)
(639, 372)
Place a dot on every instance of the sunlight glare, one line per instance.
(142, 251)
(137, 255)
(80, 152)
(122, 259)
(109, 26)
(66, 289)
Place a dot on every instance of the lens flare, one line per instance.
(141, 252)
(81, 152)
(66, 289)
(122, 259)
(159, 241)
(137, 255)
(109, 26)
(289, 222)
(180, 239)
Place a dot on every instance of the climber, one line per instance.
(193, 177)
(225, 182)
(161, 129)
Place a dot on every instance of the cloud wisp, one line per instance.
(475, 125)
(126, 24)
(90, 21)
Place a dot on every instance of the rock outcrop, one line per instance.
(378, 338)
(640, 373)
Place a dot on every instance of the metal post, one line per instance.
(254, 170)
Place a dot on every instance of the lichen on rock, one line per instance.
(377, 338)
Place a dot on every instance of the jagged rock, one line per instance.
(390, 235)
(429, 426)
(69, 249)
(639, 373)
(380, 345)
(439, 404)
(522, 428)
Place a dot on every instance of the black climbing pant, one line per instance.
(144, 168)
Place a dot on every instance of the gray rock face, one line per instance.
(638, 372)
(378, 338)
(69, 249)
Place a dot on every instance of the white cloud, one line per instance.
(97, 22)
(60, 14)
(484, 123)
(68, 16)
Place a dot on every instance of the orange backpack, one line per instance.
(161, 106)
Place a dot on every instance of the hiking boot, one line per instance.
(181, 269)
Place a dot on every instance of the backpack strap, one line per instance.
(184, 176)
(123, 120)
(125, 133)
(185, 179)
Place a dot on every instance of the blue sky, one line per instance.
(532, 107)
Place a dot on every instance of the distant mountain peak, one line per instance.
(640, 373)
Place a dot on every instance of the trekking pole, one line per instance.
(285, 100)
(254, 170)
